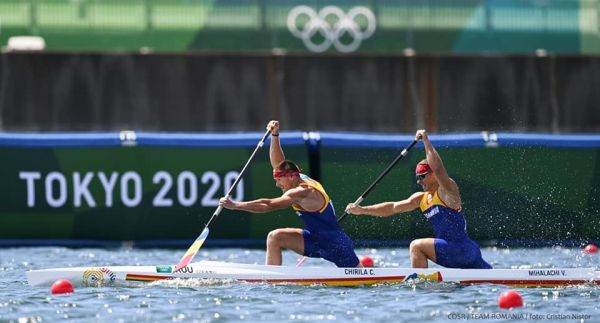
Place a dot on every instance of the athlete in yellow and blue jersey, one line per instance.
(441, 204)
(322, 237)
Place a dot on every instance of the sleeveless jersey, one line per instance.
(323, 219)
(448, 224)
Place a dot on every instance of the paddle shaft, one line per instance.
(371, 187)
(380, 177)
(193, 249)
(237, 180)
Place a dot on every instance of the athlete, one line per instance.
(441, 204)
(322, 237)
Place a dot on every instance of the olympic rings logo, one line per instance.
(332, 24)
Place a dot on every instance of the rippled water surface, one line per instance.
(202, 301)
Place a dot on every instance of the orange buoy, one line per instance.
(510, 299)
(590, 249)
(61, 286)
(366, 261)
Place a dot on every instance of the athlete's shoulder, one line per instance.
(306, 179)
(300, 191)
(448, 187)
(450, 197)
(417, 195)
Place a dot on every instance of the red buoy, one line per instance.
(366, 261)
(61, 286)
(510, 299)
(590, 249)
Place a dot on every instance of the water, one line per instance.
(205, 302)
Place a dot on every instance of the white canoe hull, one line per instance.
(122, 275)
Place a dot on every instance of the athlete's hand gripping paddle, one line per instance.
(193, 249)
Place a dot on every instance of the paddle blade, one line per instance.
(193, 250)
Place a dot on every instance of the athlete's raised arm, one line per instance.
(275, 152)
(448, 189)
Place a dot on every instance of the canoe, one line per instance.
(331, 276)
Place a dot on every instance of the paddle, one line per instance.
(385, 171)
(193, 249)
(364, 195)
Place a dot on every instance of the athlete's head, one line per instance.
(286, 175)
(425, 176)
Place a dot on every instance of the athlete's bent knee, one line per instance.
(274, 238)
(415, 246)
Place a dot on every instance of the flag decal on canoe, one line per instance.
(433, 277)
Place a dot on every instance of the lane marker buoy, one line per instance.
(367, 261)
(510, 299)
(590, 249)
(62, 286)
